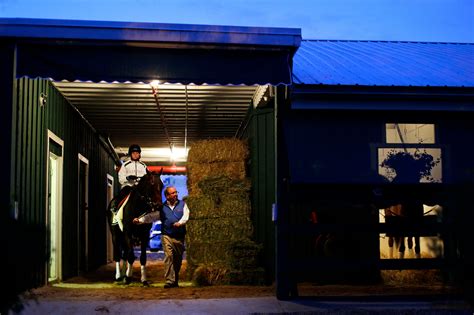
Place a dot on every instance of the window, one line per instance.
(410, 133)
(410, 156)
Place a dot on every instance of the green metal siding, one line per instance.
(29, 170)
(260, 134)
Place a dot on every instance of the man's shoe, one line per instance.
(169, 285)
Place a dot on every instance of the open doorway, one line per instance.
(54, 205)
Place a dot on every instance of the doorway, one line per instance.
(110, 196)
(83, 214)
(54, 205)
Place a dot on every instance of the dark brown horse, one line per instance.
(143, 198)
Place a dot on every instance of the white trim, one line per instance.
(60, 142)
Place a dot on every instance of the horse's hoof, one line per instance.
(118, 279)
(127, 280)
(145, 283)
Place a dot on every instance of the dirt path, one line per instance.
(99, 285)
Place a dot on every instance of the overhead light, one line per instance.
(178, 154)
(155, 83)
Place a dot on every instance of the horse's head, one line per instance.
(150, 187)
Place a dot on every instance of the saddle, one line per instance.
(117, 217)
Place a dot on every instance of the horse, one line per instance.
(398, 213)
(407, 214)
(143, 198)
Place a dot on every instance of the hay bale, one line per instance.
(224, 228)
(244, 254)
(197, 172)
(215, 186)
(206, 252)
(202, 207)
(235, 204)
(218, 206)
(210, 274)
(218, 245)
(218, 150)
(239, 255)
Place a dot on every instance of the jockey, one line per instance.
(132, 170)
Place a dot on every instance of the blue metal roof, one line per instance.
(150, 32)
(383, 63)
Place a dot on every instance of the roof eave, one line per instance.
(337, 90)
(289, 38)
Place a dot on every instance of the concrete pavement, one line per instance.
(260, 305)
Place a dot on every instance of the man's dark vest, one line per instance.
(169, 217)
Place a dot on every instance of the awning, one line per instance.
(139, 64)
(141, 52)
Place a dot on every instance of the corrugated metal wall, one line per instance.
(260, 134)
(31, 122)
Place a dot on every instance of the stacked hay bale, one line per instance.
(219, 231)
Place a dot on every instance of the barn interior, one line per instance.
(164, 119)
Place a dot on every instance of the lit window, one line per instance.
(410, 133)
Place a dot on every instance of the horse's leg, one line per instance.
(143, 247)
(417, 247)
(117, 241)
(130, 257)
(410, 246)
(390, 247)
(401, 247)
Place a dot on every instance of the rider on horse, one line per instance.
(129, 175)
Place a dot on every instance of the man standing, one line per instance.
(173, 216)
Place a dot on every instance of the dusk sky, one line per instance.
(405, 20)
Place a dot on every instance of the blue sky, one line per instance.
(410, 20)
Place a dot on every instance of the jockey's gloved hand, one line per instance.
(132, 177)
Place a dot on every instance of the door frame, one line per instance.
(108, 238)
(82, 159)
(59, 205)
